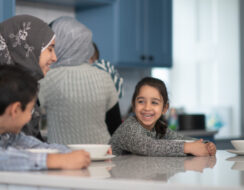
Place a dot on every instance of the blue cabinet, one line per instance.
(132, 32)
(7, 9)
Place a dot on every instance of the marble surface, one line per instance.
(224, 171)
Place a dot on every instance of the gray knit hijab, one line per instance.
(22, 39)
(73, 42)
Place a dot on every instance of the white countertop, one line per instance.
(224, 171)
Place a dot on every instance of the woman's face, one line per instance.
(47, 57)
(149, 106)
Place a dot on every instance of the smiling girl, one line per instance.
(146, 133)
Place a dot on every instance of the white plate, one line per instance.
(108, 156)
(95, 150)
(42, 150)
(238, 152)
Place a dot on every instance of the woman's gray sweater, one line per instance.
(76, 100)
(131, 137)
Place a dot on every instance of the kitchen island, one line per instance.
(225, 171)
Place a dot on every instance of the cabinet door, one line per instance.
(145, 33)
(130, 32)
(7, 9)
(158, 32)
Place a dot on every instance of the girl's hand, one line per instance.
(109, 151)
(197, 148)
(211, 148)
(199, 163)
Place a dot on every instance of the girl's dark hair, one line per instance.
(161, 124)
(16, 85)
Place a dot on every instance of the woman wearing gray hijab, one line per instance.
(77, 96)
(28, 42)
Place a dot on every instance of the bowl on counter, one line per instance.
(95, 150)
(238, 144)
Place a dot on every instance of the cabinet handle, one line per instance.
(143, 57)
(151, 58)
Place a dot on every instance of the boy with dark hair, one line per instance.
(18, 95)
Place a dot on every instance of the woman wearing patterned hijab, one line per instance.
(29, 42)
(81, 100)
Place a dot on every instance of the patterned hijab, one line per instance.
(73, 42)
(22, 39)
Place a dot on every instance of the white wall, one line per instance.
(206, 68)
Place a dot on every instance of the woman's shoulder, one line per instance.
(83, 70)
(96, 72)
(107, 67)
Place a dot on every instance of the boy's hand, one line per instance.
(73, 160)
(211, 148)
(197, 148)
